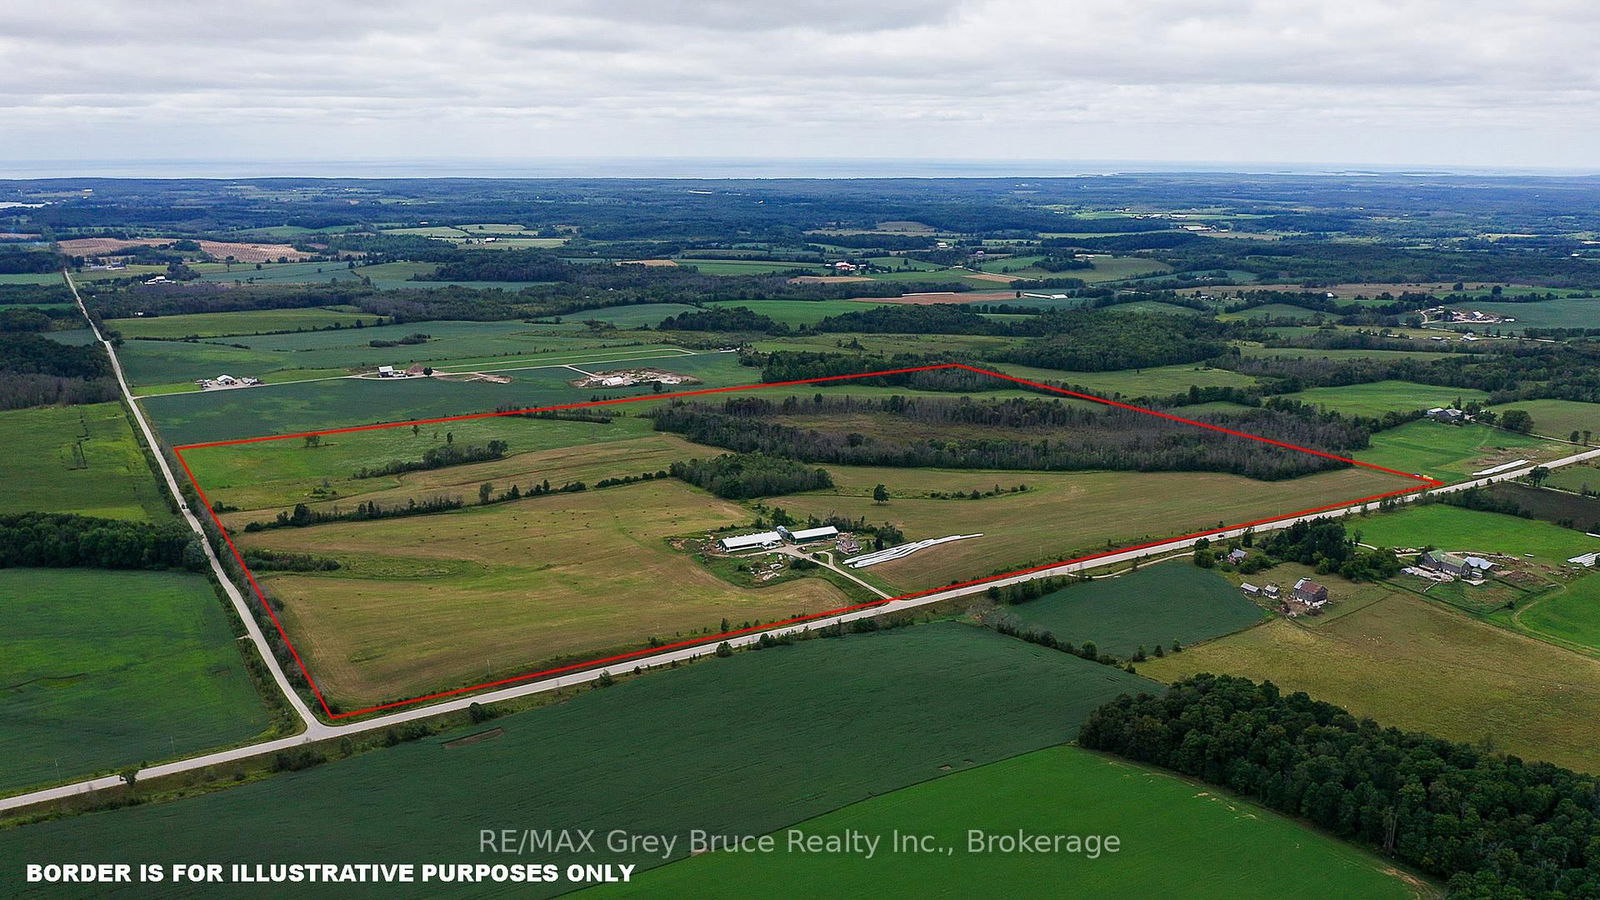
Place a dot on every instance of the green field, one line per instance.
(1422, 666)
(749, 266)
(1156, 604)
(1454, 528)
(1571, 615)
(1174, 841)
(1161, 381)
(1453, 452)
(745, 745)
(291, 408)
(1575, 478)
(1559, 418)
(108, 669)
(255, 321)
(1379, 397)
(279, 273)
(1566, 312)
(44, 470)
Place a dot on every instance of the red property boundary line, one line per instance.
(1426, 483)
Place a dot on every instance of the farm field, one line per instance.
(1575, 478)
(1152, 605)
(1062, 515)
(110, 479)
(107, 669)
(884, 344)
(1379, 397)
(1453, 452)
(449, 599)
(1308, 353)
(279, 273)
(198, 417)
(745, 745)
(255, 321)
(1571, 615)
(1190, 844)
(1565, 312)
(796, 312)
(1559, 418)
(749, 266)
(1160, 381)
(1420, 665)
(1454, 528)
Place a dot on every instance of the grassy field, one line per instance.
(1570, 615)
(1454, 528)
(1575, 478)
(1156, 604)
(1306, 353)
(306, 406)
(44, 470)
(438, 601)
(254, 321)
(278, 273)
(1175, 841)
(1453, 452)
(745, 745)
(1062, 515)
(107, 669)
(1559, 418)
(1379, 397)
(1566, 312)
(1161, 381)
(1419, 665)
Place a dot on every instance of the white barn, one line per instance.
(813, 534)
(746, 541)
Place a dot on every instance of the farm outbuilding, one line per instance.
(746, 541)
(813, 534)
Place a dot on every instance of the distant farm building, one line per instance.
(746, 541)
(1271, 590)
(386, 372)
(1249, 588)
(809, 534)
(1309, 593)
(1455, 564)
(1237, 555)
(1448, 415)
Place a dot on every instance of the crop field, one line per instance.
(199, 417)
(884, 344)
(1191, 843)
(279, 273)
(1561, 507)
(1418, 665)
(1156, 604)
(1570, 615)
(1379, 397)
(445, 600)
(1566, 312)
(1559, 418)
(1575, 478)
(745, 745)
(1161, 381)
(1062, 515)
(638, 315)
(1308, 353)
(748, 266)
(1106, 268)
(107, 669)
(1454, 528)
(78, 459)
(1270, 311)
(1453, 452)
(255, 321)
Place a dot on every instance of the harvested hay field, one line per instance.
(241, 252)
(669, 263)
(933, 297)
(829, 279)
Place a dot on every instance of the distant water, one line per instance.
(632, 167)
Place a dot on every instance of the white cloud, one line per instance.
(1359, 81)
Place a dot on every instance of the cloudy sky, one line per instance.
(1342, 82)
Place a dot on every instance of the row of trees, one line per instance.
(1493, 826)
(744, 476)
(36, 371)
(449, 454)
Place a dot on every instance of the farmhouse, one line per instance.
(1448, 415)
(1237, 555)
(1310, 593)
(746, 541)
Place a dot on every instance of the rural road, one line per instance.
(316, 730)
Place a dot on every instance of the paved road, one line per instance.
(316, 730)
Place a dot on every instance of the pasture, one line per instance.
(255, 321)
(1575, 478)
(1559, 418)
(749, 266)
(1152, 605)
(746, 745)
(1569, 616)
(1379, 397)
(107, 669)
(1453, 452)
(1062, 515)
(1423, 666)
(279, 273)
(1176, 841)
(1565, 312)
(1454, 528)
(451, 599)
(78, 459)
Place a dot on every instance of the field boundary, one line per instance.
(1425, 483)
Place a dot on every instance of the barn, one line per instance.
(747, 541)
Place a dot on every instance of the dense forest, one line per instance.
(58, 540)
(744, 476)
(36, 371)
(1494, 826)
(737, 318)
(1020, 434)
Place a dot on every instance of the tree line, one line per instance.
(36, 371)
(437, 458)
(59, 540)
(1492, 826)
(745, 476)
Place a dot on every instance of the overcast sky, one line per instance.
(1357, 82)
